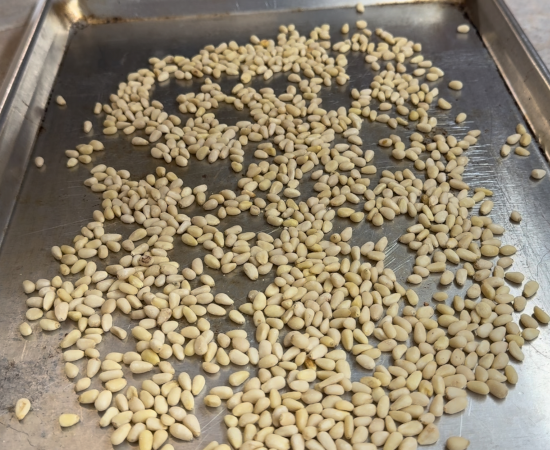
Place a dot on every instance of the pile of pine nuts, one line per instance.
(332, 305)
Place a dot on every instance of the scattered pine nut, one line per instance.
(515, 216)
(22, 408)
(60, 100)
(25, 329)
(525, 139)
(456, 85)
(444, 104)
(463, 28)
(68, 420)
(28, 286)
(513, 139)
(457, 443)
(39, 161)
(521, 151)
(541, 315)
(461, 117)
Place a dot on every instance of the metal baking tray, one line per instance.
(83, 49)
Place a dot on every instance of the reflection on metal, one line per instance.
(10, 81)
(27, 91)
(525, 74)
(135, 10)
(71, 10)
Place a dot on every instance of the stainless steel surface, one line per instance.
(14, 20)
(525, 73)
(22, 116)
(8, 83)
(53, 204)
(533, 15)
(104, 10)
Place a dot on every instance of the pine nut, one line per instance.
(456, 405)
(429, 435)
(68, 420)
(530, 288)
(455, 85)
(515, 216)
(25, 329)
(461, 117)
(541, 315)
(22, 408)
(497, 389)
(238, 378)
(457, 443)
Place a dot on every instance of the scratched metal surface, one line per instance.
(54, 205)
